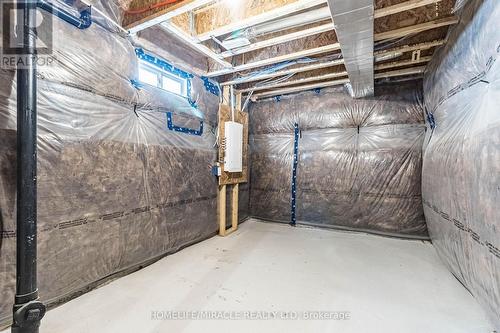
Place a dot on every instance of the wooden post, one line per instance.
(222, 210)
(234, 207)
(235, 187)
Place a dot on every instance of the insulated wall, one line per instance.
(359, 160)
(461, 169)
(117, 188)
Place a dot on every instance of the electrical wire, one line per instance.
(146, 9)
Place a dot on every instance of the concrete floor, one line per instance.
(386, 285)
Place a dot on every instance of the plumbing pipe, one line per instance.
(82, 22)
(28, 310)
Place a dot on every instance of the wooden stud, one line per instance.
(240, 177)
(234, 207)
(222, 209)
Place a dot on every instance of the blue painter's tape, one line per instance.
(211, 86)
(431, 120)
(293, 220)
(172, 127)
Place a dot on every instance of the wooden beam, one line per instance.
(402, 63)
(294, 82)
(264, 17)
(410, 48)
(165, 14)
(401, 7)
(401, 72)
(275, 60)
(285, 72)
(221, 207)
(415, 28)
(171, 28)
(279, 40)
(300, 88)
(234, 207)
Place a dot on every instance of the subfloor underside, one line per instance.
(269, 277)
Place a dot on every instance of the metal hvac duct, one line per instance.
(354, 27)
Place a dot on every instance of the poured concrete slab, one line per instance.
(263, 270)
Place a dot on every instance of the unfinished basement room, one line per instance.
(250, 166)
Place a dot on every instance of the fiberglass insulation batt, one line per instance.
(461, 166)
(359, 160)
(116, 187)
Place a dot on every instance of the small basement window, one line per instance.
(159, 78)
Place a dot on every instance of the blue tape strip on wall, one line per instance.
(172, 127)
(293, 220)
(211, 86)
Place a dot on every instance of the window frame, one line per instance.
(161, 74)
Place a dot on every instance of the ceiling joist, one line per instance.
(275, 60)
(166, 14)
(262, 18)
(388, 65)
(280, 39)
(300, 88)
(416, 28)
(296, 82)
(401, 7)
(381, 12)
(328, 48)
(393, 51)
(301, 69)
(403, 63)
(410, 48)
(401, 72)
(197, 46)
(284, 91)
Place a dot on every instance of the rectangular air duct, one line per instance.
(354, 27)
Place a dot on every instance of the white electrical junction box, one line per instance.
(233, 157)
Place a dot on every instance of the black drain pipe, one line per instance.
(28, 310)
